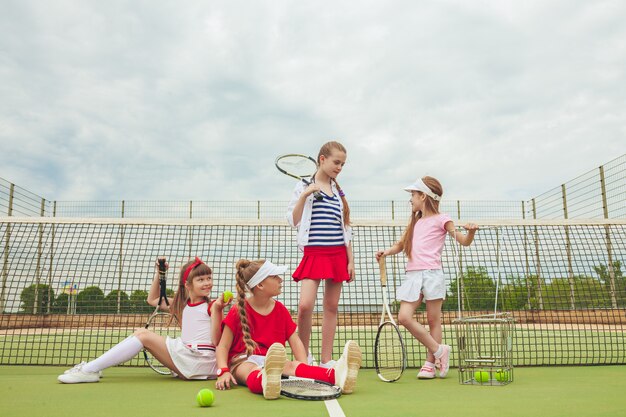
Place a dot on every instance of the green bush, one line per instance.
(44, 294)
(90, 301)
(110, 302)
(138, 303)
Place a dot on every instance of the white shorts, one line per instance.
(192, 363)
(429, 282)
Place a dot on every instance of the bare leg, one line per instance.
(332, 292)
(308, 294)
(405, 318)
(433, 315)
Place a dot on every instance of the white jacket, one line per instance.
(305, 221)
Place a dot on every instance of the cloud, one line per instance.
(499, 100)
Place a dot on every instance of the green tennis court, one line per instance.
(538, 391)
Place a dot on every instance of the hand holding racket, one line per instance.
(161, 322)
(300, 167)
(389, 352)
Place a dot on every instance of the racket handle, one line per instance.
(318, 196)
(383, 270)
(162, 266)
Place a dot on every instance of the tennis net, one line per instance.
(72, 288)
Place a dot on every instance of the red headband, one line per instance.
(190, 268)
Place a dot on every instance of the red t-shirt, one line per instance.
(276, 327)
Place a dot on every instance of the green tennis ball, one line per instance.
(227, 296)
(502, 375)
(481, 376)
(205, 397)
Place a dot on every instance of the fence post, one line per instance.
(527, 276)
(190, 229)
(537, 260)
(568, 250)
(7, 237)
(258, 216)
(39, 253)
(458, 209)
(609, 245)
(393, 210)
(120, 260)
(54, 213)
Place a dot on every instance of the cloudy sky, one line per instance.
(173, 100)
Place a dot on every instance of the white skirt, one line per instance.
(192, 363)
(429, 282)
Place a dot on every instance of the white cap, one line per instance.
(268, 269)
(419, 185)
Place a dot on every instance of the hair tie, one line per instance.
(195, 263)
(341, 193)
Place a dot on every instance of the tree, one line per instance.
(619, 279)
(89, 301)
(60, 304)
(110, 302)
(138, 303)
(44, 294)
(479, 290)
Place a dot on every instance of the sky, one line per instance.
(194, 100)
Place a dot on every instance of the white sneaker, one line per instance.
(83, 363)
(311, 360)
(272, 371)
(444, 361)
(347, 367)
(330, 364)
(76, 375)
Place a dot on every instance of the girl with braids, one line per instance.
(422, 243)
(192, 355)
(324, 235)
(252, 348)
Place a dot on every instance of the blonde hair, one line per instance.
(432, 205)
(327, 150)
(182, 294)
(245, 271)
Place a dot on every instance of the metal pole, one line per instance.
(609, 245)
(568, 250)
(5, 261)
(527, 276)
(537, 259)
(120, 261)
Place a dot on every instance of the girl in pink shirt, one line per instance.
(422, 243)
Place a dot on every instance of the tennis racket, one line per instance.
(389, 352)
(161, 322)
(308, 389)
(300, 167)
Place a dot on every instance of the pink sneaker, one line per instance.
(427, 372)
(444, 361)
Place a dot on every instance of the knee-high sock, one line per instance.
(120, 353)
(254, 382)
(315, 372)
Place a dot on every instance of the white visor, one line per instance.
(268, 269)
(419, 185)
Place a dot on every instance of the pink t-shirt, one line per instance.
(429, 235)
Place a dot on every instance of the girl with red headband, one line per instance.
(192, 355)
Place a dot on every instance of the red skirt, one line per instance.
(323, 262)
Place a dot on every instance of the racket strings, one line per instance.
(308, 388)
(389, 352)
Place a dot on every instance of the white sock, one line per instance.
(120, 353)
(439, 352)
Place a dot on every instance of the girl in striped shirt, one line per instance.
(324, 235)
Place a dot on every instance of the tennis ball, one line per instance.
(502, 375)
(481, 376)
(205, 397)
(226, 296)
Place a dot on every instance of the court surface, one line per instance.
(131, 391)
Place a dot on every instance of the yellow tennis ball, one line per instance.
(227, 296)
(205, 397)
(481, 376)
(502, 375)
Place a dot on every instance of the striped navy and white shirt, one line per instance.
(326, 227)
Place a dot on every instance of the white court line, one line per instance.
(334, 409)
